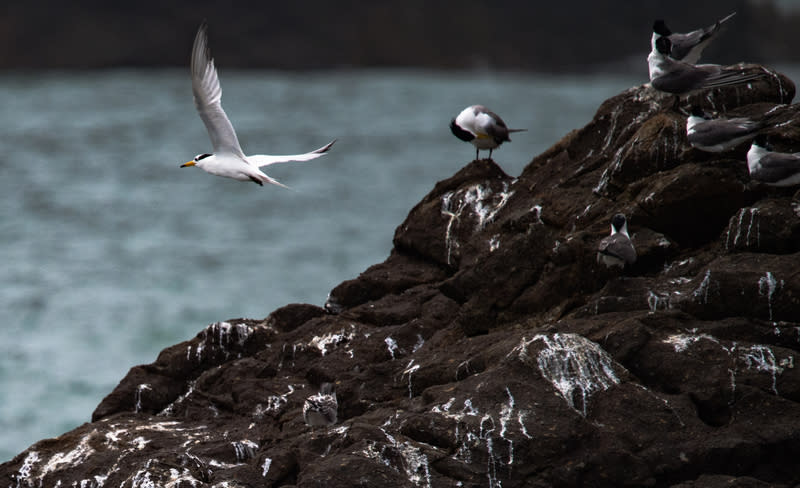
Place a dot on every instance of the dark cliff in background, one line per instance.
(516, 35)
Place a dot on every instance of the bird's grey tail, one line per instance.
(726, 78)
(726, 18)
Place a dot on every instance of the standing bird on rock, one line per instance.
(718, 135)
(689, 46)
(772, 168)
(482, 127)
(320, 410)
(228, 160)
(679, 78)
(617, 249)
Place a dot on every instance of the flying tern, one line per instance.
(228, 159)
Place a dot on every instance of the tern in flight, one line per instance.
(228, 159)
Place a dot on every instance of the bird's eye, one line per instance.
(201, 156)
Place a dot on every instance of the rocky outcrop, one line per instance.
(490, 349)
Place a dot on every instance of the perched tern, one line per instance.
(689, 46)
(772, 168)
(228, 160)
(617, 249)
(320, 410)
(718, 135)
(482, 127)
(679, 78)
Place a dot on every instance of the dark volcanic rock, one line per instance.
(490, 349)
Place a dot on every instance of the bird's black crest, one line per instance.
(697, 111)
(201, 156)
(618, 221)
(763, 141)
(660, 28)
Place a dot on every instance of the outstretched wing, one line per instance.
(208, 97)
(261, 160)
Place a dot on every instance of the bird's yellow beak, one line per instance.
(190, 163)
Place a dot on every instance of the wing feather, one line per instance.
(261, 160)
(208, 97)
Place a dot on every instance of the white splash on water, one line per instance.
(265, 467)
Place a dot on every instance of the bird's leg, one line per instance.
(477, 154)
(490, 154)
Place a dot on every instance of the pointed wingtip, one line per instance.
(325, 148)
(202, 31)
